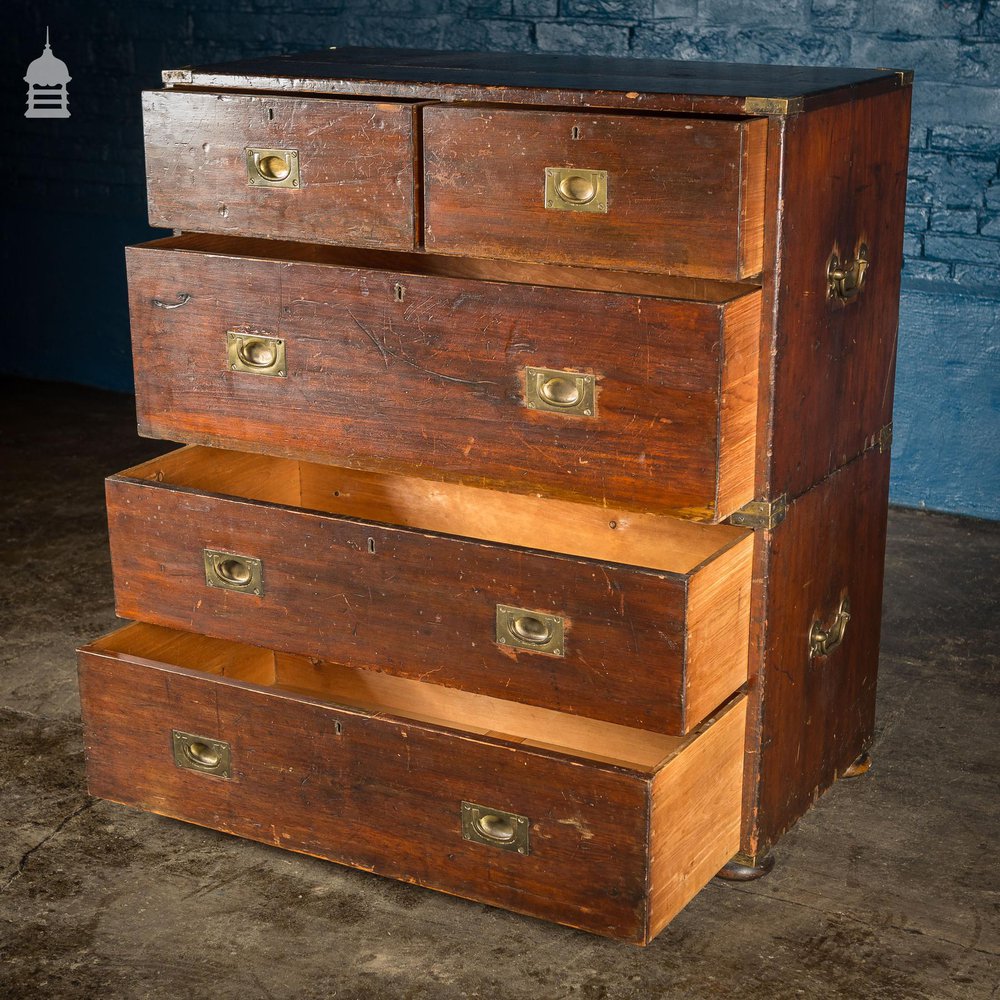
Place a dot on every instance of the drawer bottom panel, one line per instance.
(211, 732)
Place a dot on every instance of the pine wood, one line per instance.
(695, 816)
(309, 774)
(396, 598)
(677, 189)
(434, 385)
(356, 160)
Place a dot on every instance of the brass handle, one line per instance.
(572, 189)
(272, 167)
(255, 354)
(229, 571)
(846, 278)
(536, 631)
(201, 753)
(495, 828)
(568, 393)
(182, 300)
(823, 641)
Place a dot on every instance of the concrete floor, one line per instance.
(887, 890)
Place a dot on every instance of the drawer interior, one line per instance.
(381, 694)
(608, 534)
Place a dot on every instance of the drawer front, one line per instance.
(214, 733)
(438, 376)
(371, 793)
(633, 646)
(676, 195)
(321, 170)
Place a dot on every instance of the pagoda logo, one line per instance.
(47, 77)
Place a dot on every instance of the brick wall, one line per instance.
(77, 184)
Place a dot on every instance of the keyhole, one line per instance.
(575, 132)
(371, 545)
(399, 292)
(270, 114)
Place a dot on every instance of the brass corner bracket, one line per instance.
(773, 105)
(766, 514)
(172, 76)
(884, 438)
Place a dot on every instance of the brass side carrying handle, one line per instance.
(846, 278)
(572, 189)
(255, 354)
(201, 753)
(230, 571)
(555, 391)
(272, 167)
(824, 640)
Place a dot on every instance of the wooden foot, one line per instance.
(859, 767)
(744, 869)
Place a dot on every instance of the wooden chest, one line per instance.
(526, 539)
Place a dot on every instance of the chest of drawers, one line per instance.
(526, 539)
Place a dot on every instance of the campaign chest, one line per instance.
(526, 540)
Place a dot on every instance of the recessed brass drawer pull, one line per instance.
(201, 753)
(555, 391)
(846, 279)
(230, 571)
(569, 189)
(273, 167)
(495, 828)
(532, 630)
(255, 355)
(823, 641)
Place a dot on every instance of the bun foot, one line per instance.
(861, 766)
(744, 869)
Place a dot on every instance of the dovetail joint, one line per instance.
(766, 514)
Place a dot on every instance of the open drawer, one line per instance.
(639, 389)
(637, 619)
(581, 822)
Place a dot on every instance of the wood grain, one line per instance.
(356, 161)
(675, 189)
(425, 374)
(403, 600)
(694, 823)
(375, 793)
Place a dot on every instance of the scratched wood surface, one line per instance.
(356, 161)
(373, 793)
(423, 605)
(676, 192)
(427, 374)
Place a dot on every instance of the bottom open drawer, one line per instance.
(582, 822)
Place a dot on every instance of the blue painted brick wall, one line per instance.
(75, 194)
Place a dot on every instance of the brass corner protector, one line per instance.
(172, 76)
(904, 76)
(773, 105)
(766, 514)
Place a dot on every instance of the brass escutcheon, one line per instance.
(572, 189)
(255, 354)
(569, 393)
(495, 828)
(201, 753)
(823, 641)
(230, 571)
(535, 631)
(272, 167)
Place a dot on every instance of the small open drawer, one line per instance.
(588, 824)
(637, 619)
